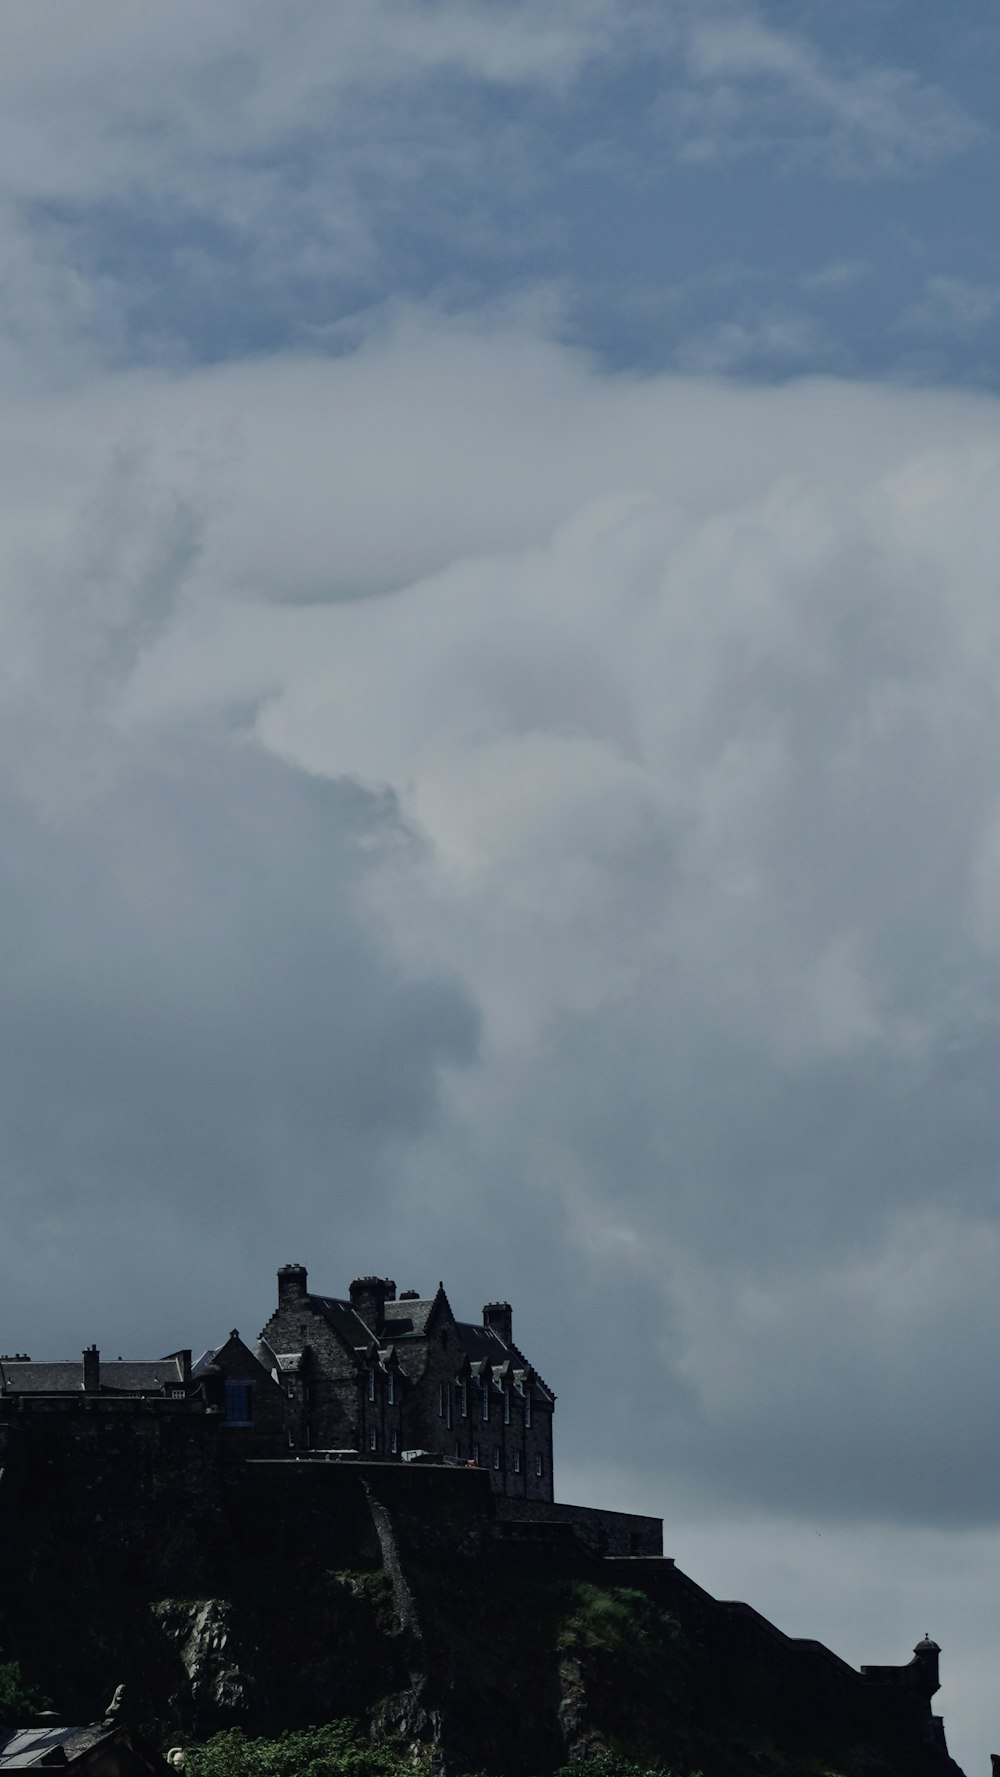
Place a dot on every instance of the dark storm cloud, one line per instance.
(201, 1024)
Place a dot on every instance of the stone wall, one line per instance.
(333, 1406)
(603, 1533)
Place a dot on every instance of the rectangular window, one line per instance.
(496, 1457)
(373, 1439)
(486, 1401)
(239, 1403)
(371, 1384)
(538, 1465)
(527, 1406)
(440, 1400)
(391, 1391)
(517, 1462)
(506, 1406)
(475, 1454)
(463, 1398)
(394, 1442)
(451, 1408)
(176, 1394)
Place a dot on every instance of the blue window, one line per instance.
(239, 1403)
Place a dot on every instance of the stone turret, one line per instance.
(925, 1658)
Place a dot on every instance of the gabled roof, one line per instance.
(284, 1363)
(213, 1362)
(118, 1376)
(487, 1352)
(344, 1320)
(40, 1748)
(408, 1319)
(416, 1317)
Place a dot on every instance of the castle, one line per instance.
(160, 1501)
(375, 1375)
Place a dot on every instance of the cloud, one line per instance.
(758, 88)
(951, 307)
(473, 815)
(642, 806)
(767, 340)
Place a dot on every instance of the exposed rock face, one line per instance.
(219, 1684)
(289, 1594)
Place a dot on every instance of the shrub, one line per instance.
(18, 1699)
(338, 1749)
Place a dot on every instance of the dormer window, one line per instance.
(486, 1398)
(391, 1389)
(527, 1405)
(506, 1406)
(371, 1382)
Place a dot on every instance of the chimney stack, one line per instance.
(91, 1370)
(291, 1284)
(369, 1296)
(499, 1317)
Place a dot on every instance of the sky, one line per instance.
(500, 709)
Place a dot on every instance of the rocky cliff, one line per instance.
(285, 1594)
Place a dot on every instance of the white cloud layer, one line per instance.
(474, 814)
(657, 719)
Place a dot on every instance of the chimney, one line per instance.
(369, 1296)
(91, 1370)
(291, 1285)
(499, 1317)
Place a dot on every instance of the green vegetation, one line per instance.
(608, 1764)
(19, 1700)
(618, 1619)
(340, 1749)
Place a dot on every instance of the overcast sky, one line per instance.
(500, 702)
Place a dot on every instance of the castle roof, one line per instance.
(117, 1376)
(407, 1319)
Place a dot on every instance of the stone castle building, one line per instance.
(368, 1432)
(382, 1377)
(388, 1376)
